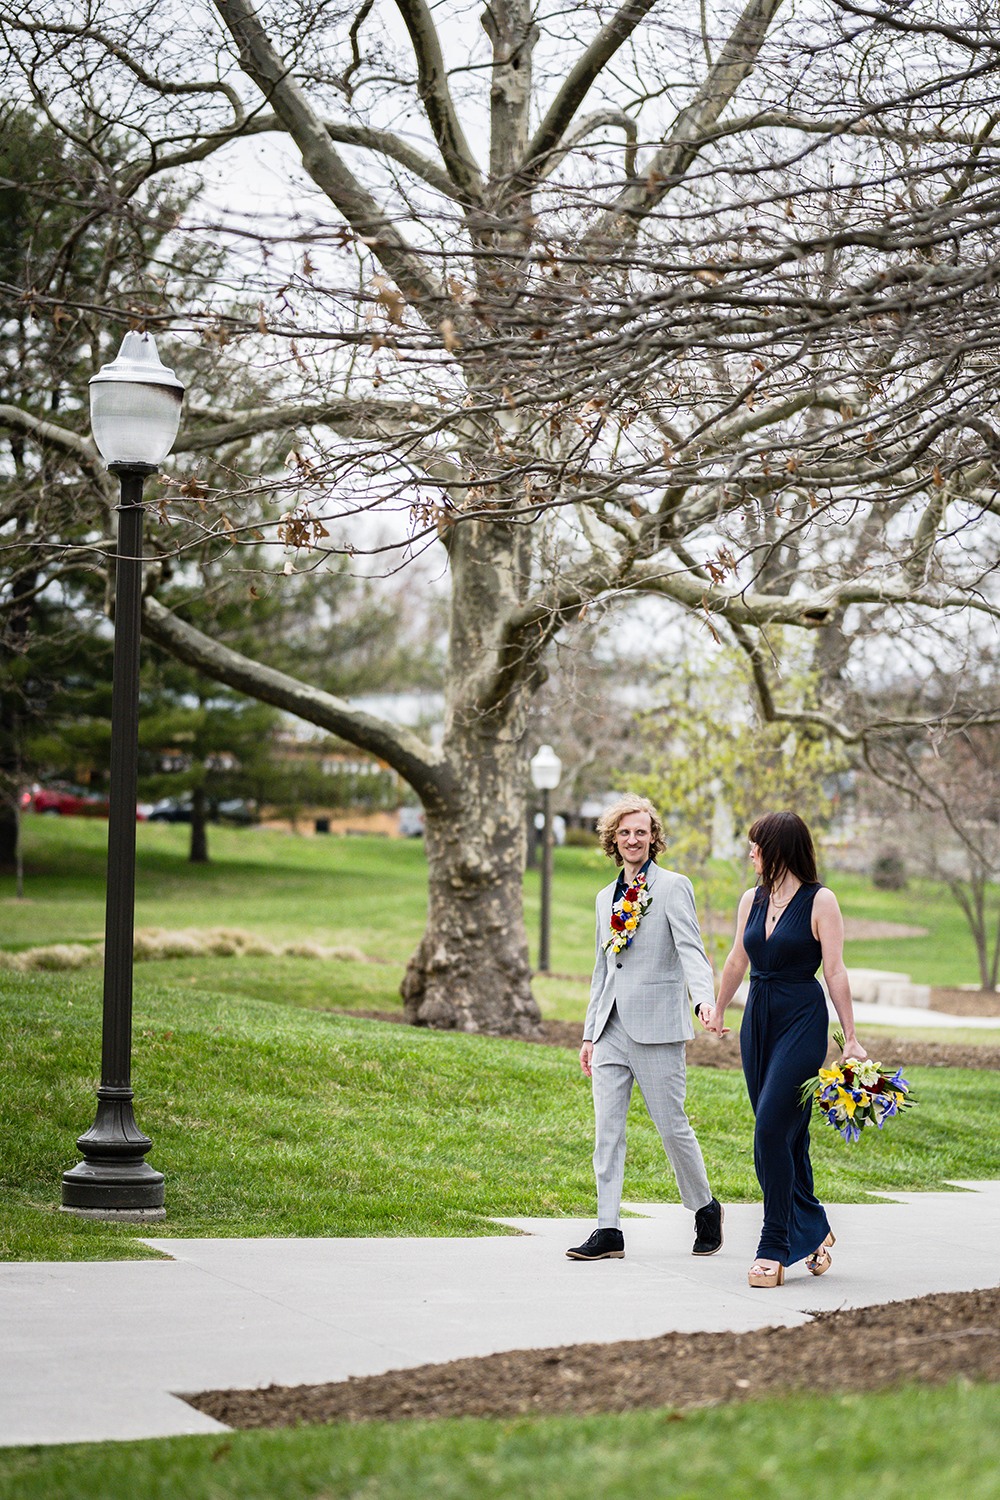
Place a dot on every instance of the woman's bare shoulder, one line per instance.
(825, 902)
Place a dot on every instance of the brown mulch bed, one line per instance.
(966, 1002)
(929, 1339)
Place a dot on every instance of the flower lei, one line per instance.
(627, 913)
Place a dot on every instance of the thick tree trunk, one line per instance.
(471, 971)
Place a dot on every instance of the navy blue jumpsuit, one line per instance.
(783, 1041)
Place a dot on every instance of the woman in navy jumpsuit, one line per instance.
(786, 926)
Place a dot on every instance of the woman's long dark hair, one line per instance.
(785, 843)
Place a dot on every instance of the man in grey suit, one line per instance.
(650, 957)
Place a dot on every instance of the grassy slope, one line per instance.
(269, 1119)
(290, 888)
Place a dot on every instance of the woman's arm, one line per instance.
(828, 929)
(733, 971)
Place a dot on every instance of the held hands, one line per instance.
(711, 1018)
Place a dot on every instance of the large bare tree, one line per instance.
(604, 302)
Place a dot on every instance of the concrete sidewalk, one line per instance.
(103, 1351)
(909, 1016)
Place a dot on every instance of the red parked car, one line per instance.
(69, 801)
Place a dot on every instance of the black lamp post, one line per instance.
(135, 408)
(546, 768)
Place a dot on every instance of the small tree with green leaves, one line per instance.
(715, 765)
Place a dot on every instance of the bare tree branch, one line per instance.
(159, 83)
(261, 62)
(694, 124)
(425, 769)
(586, 128)
(365, 137)
(356, 416)
(591, 63)
(387, 144)
(860, 126)
(433, 88)
(52, 435)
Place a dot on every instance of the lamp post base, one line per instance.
(117, 1215)
(113, 1178)
(106, 1190)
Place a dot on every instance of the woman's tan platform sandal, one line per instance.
(821, 1259)
(759, 1276)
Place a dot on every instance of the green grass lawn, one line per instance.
(911, 1444)
(272, 1119)
(946, 956)
(274, 884)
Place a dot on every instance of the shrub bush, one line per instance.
(889, 871)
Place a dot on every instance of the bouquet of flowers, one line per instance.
(851, 1093)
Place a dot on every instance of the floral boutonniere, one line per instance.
(627, 913)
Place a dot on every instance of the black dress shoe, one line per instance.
(604, 1244)
(708, 1229)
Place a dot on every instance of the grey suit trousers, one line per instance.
(660, 1070)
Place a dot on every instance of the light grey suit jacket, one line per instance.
(650, 980)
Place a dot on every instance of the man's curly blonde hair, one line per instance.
(607, 825)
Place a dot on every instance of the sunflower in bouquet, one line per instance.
(852, 1093)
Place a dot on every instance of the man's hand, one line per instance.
(711, 1018)
(586, 1056)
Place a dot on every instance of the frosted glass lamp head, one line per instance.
(546, 768)
(135, 405)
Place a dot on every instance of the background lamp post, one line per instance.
(135, 409)
(546, 768)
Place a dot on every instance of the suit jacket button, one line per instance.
(617, 966)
